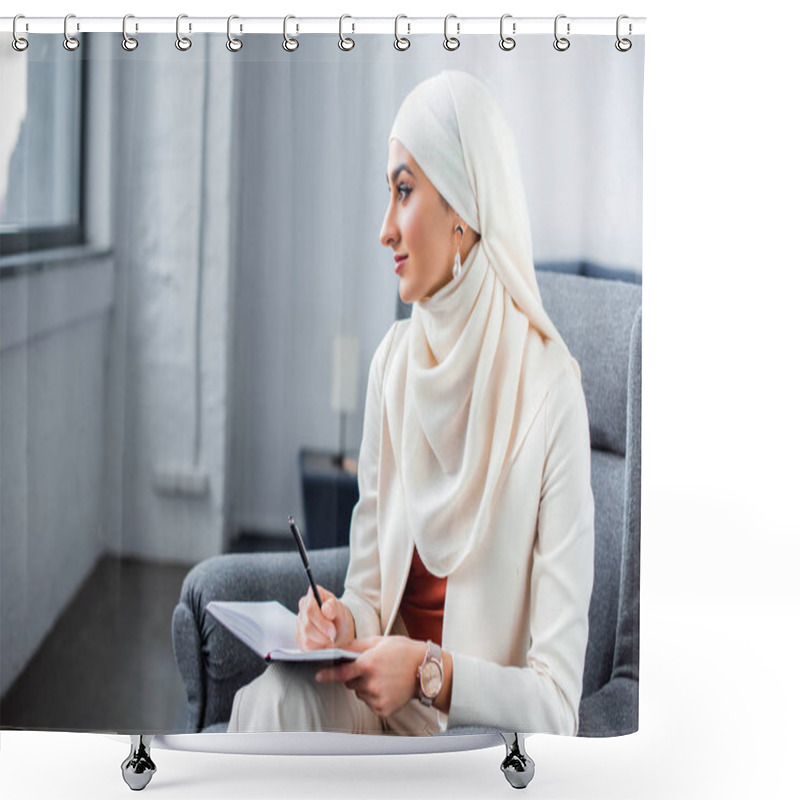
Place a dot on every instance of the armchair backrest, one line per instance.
(601, 323)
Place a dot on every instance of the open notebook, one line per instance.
(269, 628)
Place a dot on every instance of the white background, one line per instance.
(720, 532)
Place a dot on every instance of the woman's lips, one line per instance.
(398, 263)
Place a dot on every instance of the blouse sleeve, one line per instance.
(544, 696)
(362, 586)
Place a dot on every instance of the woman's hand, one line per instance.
(385, 674)
(329, 626)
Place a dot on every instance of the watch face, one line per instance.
(430, 680)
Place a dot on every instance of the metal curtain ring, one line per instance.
(507, 42)
(19, 43)
(561, 43)
(128, 42)
(345, 42)
(289, 44)
(70, 42)
(233, 44)
(401, 43)
(182, 42)
(451, 42)
(623, 45)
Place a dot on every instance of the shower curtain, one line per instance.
(192, 288)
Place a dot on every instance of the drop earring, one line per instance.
(457, 262)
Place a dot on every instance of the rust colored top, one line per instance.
(422, 606)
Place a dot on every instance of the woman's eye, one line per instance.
(403, 190)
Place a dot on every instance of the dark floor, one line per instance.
(108, 663)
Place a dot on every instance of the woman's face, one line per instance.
(418, 227)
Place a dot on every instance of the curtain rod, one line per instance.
(460, 26)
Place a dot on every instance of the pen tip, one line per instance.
(291, 520)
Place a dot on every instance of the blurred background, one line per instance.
(191, 290)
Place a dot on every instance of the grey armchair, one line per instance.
(600, 321)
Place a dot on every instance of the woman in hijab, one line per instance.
(472, 543)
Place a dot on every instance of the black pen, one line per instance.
(302, 548)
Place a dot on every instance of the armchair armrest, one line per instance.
(612, 710)
(212, 662)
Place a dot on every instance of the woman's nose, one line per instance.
(389, 233)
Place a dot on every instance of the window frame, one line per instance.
(36, 240)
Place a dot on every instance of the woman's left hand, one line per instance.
(385, 674)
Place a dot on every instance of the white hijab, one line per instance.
(453, 397)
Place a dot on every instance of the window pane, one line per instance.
(40, 148)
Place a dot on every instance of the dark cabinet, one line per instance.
(330, 490)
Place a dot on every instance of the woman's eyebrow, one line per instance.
(398, 169)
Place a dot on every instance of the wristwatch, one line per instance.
(431, 674)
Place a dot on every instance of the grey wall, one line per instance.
(54, 321)
(99, 346)
(54, 327)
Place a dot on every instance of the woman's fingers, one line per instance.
(312, 639)
(314, 629)
(344, 673)
(329, 608)
(357, 677)
(322, 623)
(362, 645)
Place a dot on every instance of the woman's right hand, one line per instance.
(329, 626)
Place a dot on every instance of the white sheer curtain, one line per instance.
(168, 374)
